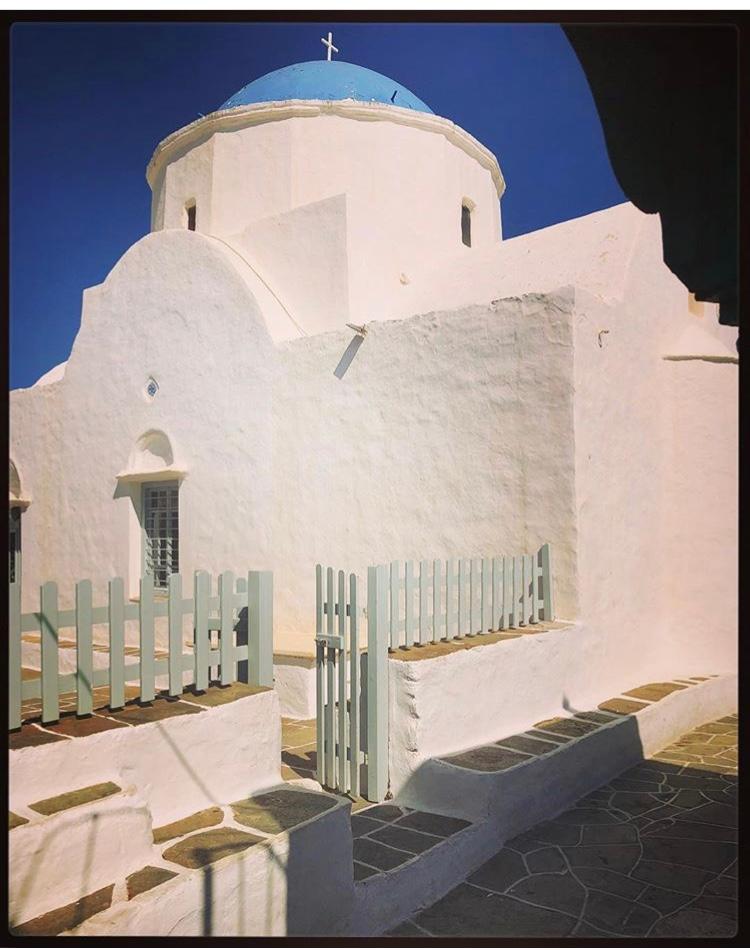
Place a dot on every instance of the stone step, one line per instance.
(530, 776)
(405, 859)
(63, 849)
(274, 864)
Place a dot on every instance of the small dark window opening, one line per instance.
(466, 225)
(14, 559)
(191, 217)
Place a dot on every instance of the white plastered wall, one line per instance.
(701, 519)
(450, 434)
(266, 186)
(637, 426)
(651, 437)
(178, 307)
(472, 430)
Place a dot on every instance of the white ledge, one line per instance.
(161, 475)
(706, 358)
(228, 120)
(14, 502)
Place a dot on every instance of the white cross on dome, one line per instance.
(329, 43)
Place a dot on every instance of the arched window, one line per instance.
(466, 209)
(190, 215)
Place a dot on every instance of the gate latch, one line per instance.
(331, 640)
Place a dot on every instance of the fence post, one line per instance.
(260, 628)
(354, 686)
(328, 723)
(84, 650)
(507, 592)
(174, 611)
(423, 610)
(342, 761)
(146, 633)
(49, 649)
(377, 684)
(549, 605)
(518, 620)
(14, 657)
(320, 657)
(116, 644)
(227, 662)
(449, 587)
(534, 587)
(201, 595)
(436, 586)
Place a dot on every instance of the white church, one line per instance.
(324, 351)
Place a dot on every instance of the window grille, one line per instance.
(161, 531)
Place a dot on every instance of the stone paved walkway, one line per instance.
(298, 749)
(651, 854)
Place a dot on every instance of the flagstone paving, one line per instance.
(133, 713)
(201, 819)
(298, 749)
(79, 796)
(388, 836)
(67, 917)
(147, 879)
(651, 854)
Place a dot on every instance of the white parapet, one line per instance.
(298, 882)
(294, 682)
(180, 764)
(57, 859)
(514, 799)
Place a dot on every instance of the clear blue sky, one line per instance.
(90, 101)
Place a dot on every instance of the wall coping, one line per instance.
(241, 117)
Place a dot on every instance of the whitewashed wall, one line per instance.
(449, 434)
(267, 186)
(474, 430)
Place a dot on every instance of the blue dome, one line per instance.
(321, 79)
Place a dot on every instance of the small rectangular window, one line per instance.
(161, 531)
(190, 209)
(466, 225)
(14, 552)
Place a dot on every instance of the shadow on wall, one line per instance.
(349, 354)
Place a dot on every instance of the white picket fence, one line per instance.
(215, 647)
(444, 600)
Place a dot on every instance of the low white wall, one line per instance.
(180, 765)
(384, 900)
(463, 699)
(297, 883)
(60, 858)
(294, 682)
(476, 696)
(536, 790)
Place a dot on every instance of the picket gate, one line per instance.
(212, 614)
(408, 606)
